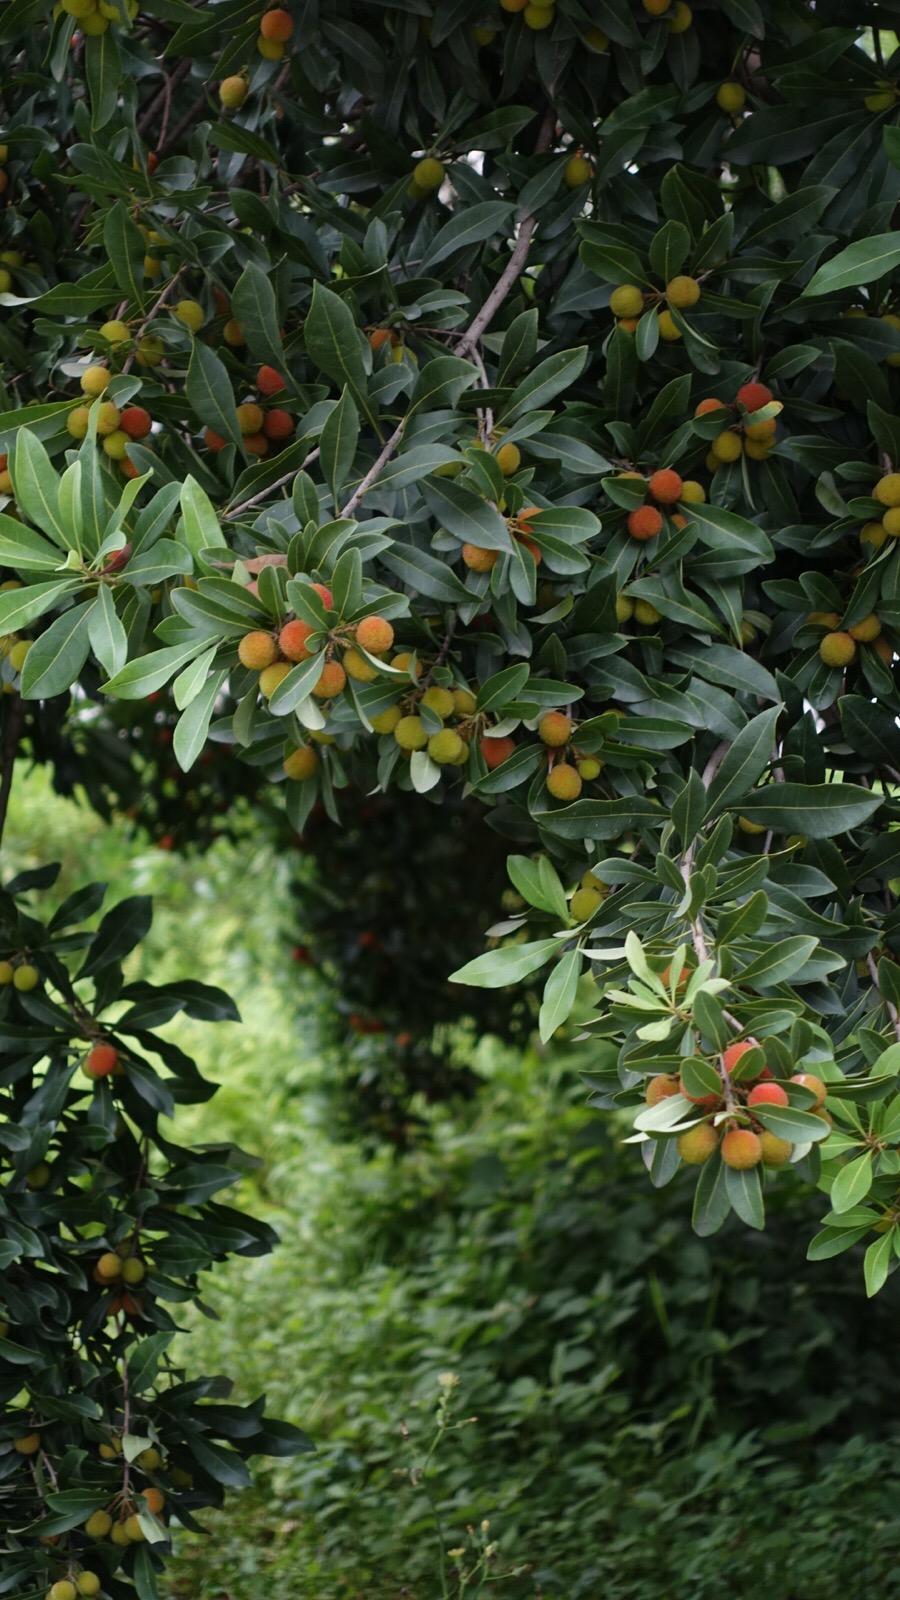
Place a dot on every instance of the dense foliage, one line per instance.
(500, 401)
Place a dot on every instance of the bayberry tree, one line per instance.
(482, 398)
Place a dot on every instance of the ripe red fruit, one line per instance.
(767, 1094)
(496, 751)
(379, 337)
(256, 444)
(325, 595)
(213, 441)
(135, 421)
(753, 396)
(709, 1101)
(278, 425)
(101, 1061)
(814, 1084)
(268, 381)
(277, 25)
(644, 523)
(665, 486)
(292, 640)
(662, 1087)
(732, 1055)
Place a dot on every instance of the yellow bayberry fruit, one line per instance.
(150, 351)
(887, 490)
(692, 493)
(257, 650)
(626, 301)
(94, 380)
(564, 782)
(98, 1525)
(731, 97)
(410, 733)
(439, 700)
(270, 49)
(233, 92)
(27, 1444)
(447, 748)
(88, 1583)
(464, 702)
(875, 533)
(646, 613)
(758, 449)
(233, 334)
(682, 292)
(669, 330)
(386, 721)
(698, 1144)
(191, 313)
(867, 630)
(26, 978)
(537, 17)
(77, 422)
(554, 728)
(681, 18)
(726, 446)
(250, 417)
(63, 1589)
(838, 649)
(272, 676)
(775, 1152)
(584, 903)
(509, 459)
(115, 332)
(357, 667)
(890, 522)
(301, 763)
(624, 608)
(577, 171)
(655, 8)
(115, 445)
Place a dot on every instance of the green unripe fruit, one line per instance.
(78, 421)
(18, 654)
(624, 608)
(386, 721)
(108, 418)
(63, 1590)
(26, 978)
(88, 1583)
(626, 301)
(698, 1144)
(584, 903)
(410, 733)
(775, 1152)
(134, 1271)
(464, 702)
(438, 700)
(191, 313)
(577, 172)
(730, 97)
(589, 768)
(447, 748)
(39, 1176)
(271, 677)
(428, 174)
(509, 459)
(357, 667)
(682, 292)
(7, 972)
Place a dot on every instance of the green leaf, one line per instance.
(142, 676)
(120, 931)
(548, 379)
(780, 961)
(503, 687)
(126, 248)
(333, 344)
(107, 636)
(24, 550)
(877, 1262)
(560, 992)
(56, 658)
(745, 762)
(193, 724)
(852, 1183)
(337, 444)
(253, 306)
(798, 1127)
(744, 1190)
(103, 71)
(472, 224)
(209, 393)
(817, 810)
(712, 1204)
(36, 488)
(860, 262)
(509, 964)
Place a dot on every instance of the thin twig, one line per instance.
(373, 471)
(270, 488)
(156, 306)
(163, 96)
(888, 1006)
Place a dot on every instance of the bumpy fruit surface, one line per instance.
(331, 681)
(775, 1152)
(741, 1149)
(808, 1080)
(439, 700)
(115, 332)
(98, 1525)
(645, 522)
(889, 524)
(838, 649)
(88, 1583)
(866, 631)
(257, 650)
(508, 459)
(563, 782)
(27, 1444)
(496, 751)
(665, 486)
(135, 421)
(726, 446)
(411, 734)
(887, 489)
(375, 634)
(682, 292)
(696, 1145)
(768, 1094)
(63, 1589)
(577, 171)
(94, 380)
(626, 301)
(101, 1061)
(277, 25)
(732, 1055)
(133, 1272)
(478, 559)
(554, 728)
(753, 396)
(386, 721)
(233, 92)
(191, 313)
(78, 421)
(428, 174)
(584, 903)
(292, 640)
(680, 18)
(662, 1087)
(447, 748)
(301, 763)
(109, 1265)
(250, 417)
(271, 677)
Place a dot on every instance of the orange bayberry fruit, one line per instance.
(154, 1498)
(682, 292)
(530, 546)
(644, 522)
(767, 1094)
(101, 1061)
(478, 559)
(277, 25)
(325, 595)
(213, 441)
(331, 682)
(268, 381)
(278, 425)
(135, 421)
(753, 396)
(375, 634)
(496, 751)
(808, 1080)
(380, 337)
(698, 1144)
(709, 405)
(554, 728)
(662, 1087)
(741, 1149)
(256, 444)
(564, 782)
(292, 640)
(257, 650)
(665, 486)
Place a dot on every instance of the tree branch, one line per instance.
(373, 472)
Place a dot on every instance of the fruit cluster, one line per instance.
(750, 434)
(94, 16)
(665, 488)
(629, 302)
(275, 30)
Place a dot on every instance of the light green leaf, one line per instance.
(509, 964)
(193, 724)
(107, 634)
(560, 992)
(852, 1183)
(860, 262)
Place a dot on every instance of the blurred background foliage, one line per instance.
(638, 1414)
